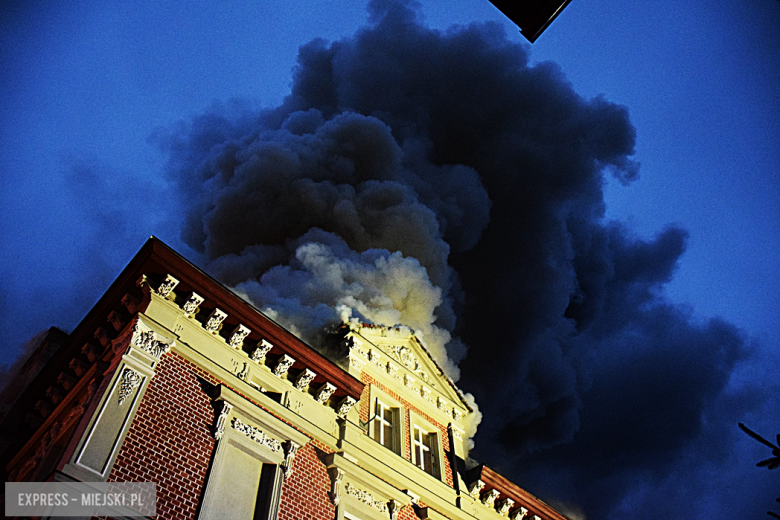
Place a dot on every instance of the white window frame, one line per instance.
(380, 401)
(418, 424)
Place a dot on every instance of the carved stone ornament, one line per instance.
(476, 488)
(408, 381)
(290, 448)
(148, 342)
(390, 368)
(167, 286)
(519, 514)
(441, 404)
(336, 476)
(345, 406)
(490, 497)
(425, 392)
(190, 307)
(394, 506)
(535, 517)
(457, 415)
(303, 380)
(407, 358)
(219, 424)
(366, 497)
(215, 320)
(284, 364)
(129, 381)
(324, 393)
(504, 506)
(238, 336)
(256, 435)
(258, 354)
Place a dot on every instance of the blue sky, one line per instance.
(90, 88)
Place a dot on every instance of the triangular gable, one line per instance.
(401, 344)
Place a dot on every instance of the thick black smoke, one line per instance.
(415, 175)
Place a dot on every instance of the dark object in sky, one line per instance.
(531, 16)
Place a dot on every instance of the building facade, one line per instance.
(173, 379)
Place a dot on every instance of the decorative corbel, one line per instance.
(345, 406)
(116, 320)
(490, 497)
(130, 302)
(219, 423)
(290, 448)
(504, 506)
(324, 393)
(214, 321)
(239, 334)
(519, 514)
(258, 354)
(167, 286)
(303, 380)
(285, 362)
(336, 476)
(475, 488)
(190, 307)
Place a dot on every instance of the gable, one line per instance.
(411, 365)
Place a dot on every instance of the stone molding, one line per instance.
(257, 435)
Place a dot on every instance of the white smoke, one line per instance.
(326, 282)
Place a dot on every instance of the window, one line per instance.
(385, 425)
(425, 449)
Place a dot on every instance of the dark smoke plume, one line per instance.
(414, 176)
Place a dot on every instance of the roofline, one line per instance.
(155, 250)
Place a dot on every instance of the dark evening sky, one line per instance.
(592, 221)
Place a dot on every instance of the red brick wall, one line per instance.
(305, 492)
(169, 441)
(407, 407)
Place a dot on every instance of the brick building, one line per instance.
(173, 379)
